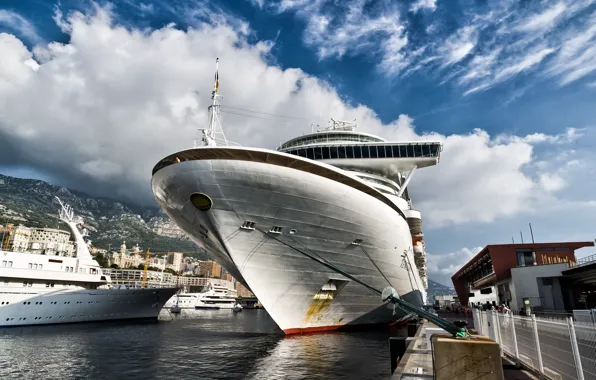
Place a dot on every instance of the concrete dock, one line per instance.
(417, 361)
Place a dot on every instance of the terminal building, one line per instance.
(534, 277)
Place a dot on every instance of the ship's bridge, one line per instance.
(364, 152)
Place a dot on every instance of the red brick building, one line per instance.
(487, 277)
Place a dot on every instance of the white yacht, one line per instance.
(214, 297)
(283, 221)
(38, 289)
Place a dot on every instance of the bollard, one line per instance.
(397, 349)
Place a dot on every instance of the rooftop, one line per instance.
(537, 246)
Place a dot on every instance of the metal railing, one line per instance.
(586, 260)
(558, 350)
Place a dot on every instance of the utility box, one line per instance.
(466, 359)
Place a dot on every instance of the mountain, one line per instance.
(436, 289)
(31, 203)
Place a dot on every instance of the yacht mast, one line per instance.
(214, 133)
(68, 216)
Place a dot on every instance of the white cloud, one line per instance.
(507, 70)
(442, 267)
(485, 50)
(529, 61)
(20, 25)
(100, 111)
(544, 20)
(570, 135)
(551, 182)
(430, 5)
(337, 29)
(459, 45)
(481, 66)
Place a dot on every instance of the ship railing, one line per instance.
(199, 143)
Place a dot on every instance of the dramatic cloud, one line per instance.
(99, 112)
(355, 27)
(490, 45)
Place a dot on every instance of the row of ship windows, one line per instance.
(80, 270)
(321, 138)
(372, 151)
(65, 302)
(8, 264)
(52, 284)
(63, 317)
(55, 302)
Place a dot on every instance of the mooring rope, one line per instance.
(392, 296)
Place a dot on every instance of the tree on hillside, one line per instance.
(102, 260)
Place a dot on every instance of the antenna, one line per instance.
(335, 125)
(531, 233)
(211, 133)
(522, 236)
(66, 213)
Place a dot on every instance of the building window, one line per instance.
(525, 257)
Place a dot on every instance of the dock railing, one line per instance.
(560, 350)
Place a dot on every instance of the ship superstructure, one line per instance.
(386, 166)
(38, 289)
(336, 194)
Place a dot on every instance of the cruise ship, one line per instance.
(272, 218)
(214, 297)
(41, 289)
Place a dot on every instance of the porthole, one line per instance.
(201, 201)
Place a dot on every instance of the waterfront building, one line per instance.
(210, 268)
(49, 241)
(175, 261)
(124, 259)
(133, 277)
(528, 276)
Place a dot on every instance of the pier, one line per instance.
(529, 348)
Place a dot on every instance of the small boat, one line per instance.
(176, 309)
(237, 308)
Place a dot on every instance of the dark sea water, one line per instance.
(199, 344)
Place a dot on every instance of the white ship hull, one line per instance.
(30, 306)
(319, 216)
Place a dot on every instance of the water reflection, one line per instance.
(198, 344)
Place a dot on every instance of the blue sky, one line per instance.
(509, 87)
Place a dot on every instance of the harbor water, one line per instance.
(201, 344)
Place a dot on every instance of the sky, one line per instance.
(93, 94)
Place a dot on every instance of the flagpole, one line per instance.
(209, 134)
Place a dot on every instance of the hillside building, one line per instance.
(209, 269)
(47, 241)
